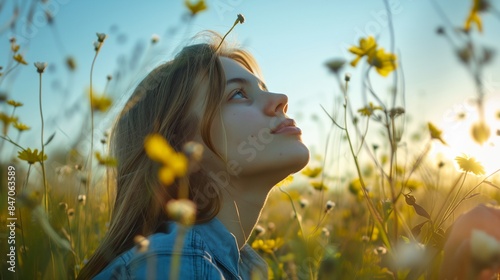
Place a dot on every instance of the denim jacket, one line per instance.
(209, 251)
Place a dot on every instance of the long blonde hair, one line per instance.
(163, 103)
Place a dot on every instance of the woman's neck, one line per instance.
(241, 208)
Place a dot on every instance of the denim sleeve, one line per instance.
(158, 266)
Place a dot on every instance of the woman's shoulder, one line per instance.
(154, 257)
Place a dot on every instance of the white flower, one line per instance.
(40, 66)
(155, 38)
(193, 150)
(484, 248)
(82, 198)
(259, 230)
(347, 77)
(303, 203)
(241, 18)
(325, 232)
(329, 205)
(182, 211)
(142, 243)
(101, 37)
(380, 250)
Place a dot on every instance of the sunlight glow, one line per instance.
(457, 133)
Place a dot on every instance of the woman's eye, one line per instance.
(238, 94)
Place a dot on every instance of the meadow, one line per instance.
(385, 215)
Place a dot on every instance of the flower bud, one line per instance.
(480, 132)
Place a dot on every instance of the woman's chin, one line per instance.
(302, 158)
(296, 159)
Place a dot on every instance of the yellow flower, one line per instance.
(477, 6)
(318, 185)
(100, 103)
(436, 133)
(14, 47)
(356, 188)
(368, 110)
(6, 120)
(31, 156)
(480, 132)
(71, 63)
(366, 46)
(106, 160)
(166, 175)
(20, 59)
(312, 171)
(174, 164)
(157, 148)
(21, 126)
(268, 245)
(197, 7)
(14, 103)
(178, 163)
(383, 62)
(469, 164)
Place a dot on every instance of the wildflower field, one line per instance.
(376, 200)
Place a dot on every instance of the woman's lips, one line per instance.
(286, 127)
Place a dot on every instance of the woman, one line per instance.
(214, 95)
(472, 248)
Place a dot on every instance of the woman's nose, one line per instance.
(276, 103)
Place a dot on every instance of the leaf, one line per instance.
(421, 211)
(51, 137)
(418, 228)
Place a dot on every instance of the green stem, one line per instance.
(371, 207)
(447, 197)
(225, 35)
(21, 213)
(91, 156)
(450, 207)
(176, 257)
(300, 226)
(467, 194)
(45, 187)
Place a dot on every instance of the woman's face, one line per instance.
(254, 134)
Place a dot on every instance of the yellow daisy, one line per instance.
(436, 133)
(20, 59)
(383, 62)
(31, 156)
(470, 164)
(366, 45)
(197, 7)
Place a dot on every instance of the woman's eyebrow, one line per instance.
(246, 82)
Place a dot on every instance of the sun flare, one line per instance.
(458, 132)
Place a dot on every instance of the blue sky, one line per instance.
(290, 39)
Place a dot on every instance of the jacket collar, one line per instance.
(221, 243)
